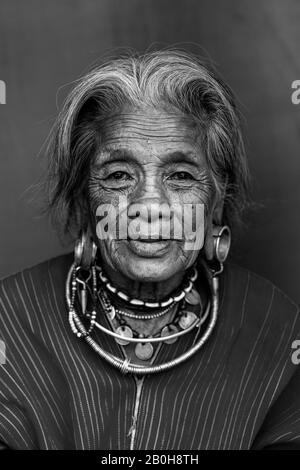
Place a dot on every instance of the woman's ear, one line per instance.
(209, 240)
(214, 218)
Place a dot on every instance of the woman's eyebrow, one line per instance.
(182, 157)
(108, 156)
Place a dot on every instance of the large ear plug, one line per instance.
(221, 242)
(85, 251)
(218, 237)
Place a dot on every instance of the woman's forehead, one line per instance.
(151, 130)
(150, 122)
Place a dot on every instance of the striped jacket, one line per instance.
(240, 391)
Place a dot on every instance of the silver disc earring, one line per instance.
(222, 242)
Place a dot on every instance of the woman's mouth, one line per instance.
(149, 248)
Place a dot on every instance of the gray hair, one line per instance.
(164, 78)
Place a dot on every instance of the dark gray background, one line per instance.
(255, 45)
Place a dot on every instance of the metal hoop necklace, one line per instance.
(184, 320)
(125, 366)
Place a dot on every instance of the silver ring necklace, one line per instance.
(125, 365)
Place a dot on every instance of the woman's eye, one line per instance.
(181, 175)
(118, 176)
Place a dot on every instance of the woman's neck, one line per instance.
(146, 291)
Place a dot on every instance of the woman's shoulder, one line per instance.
(28, 289)
(257, 295)
(40, 272)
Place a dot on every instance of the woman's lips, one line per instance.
(149, 247)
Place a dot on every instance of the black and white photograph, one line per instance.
(149, 234)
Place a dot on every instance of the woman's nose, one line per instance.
(152, 199)
(153, 216)
(149, 209)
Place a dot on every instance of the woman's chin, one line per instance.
(147, 269)
(144, 261)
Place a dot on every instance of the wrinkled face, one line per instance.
(151, 158)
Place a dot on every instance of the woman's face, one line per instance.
(151, 158)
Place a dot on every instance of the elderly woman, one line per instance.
(145, 337)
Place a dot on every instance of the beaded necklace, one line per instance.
(126, 366)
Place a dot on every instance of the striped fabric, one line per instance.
(240, 391)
